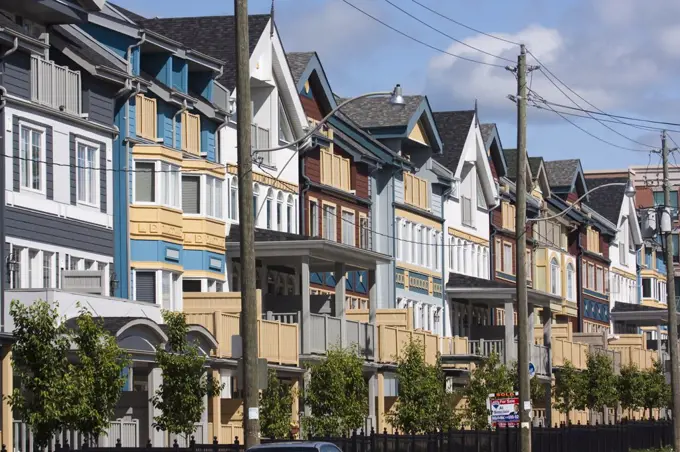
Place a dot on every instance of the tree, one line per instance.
(423, 404)
(98, 374)
(185, 382)
(600, 381)
(491, 376)
(631, 387)
(275, 408)
(536, 388)
(337, 394)
(569, 389)
(40, 361)
(656, 392)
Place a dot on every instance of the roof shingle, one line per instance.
(453, 127)
(298, 61)
(487, 131)
(561, 173)
(607, 200)
(377, 112)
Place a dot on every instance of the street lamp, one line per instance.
(396, 98)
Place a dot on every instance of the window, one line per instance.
(364, 234)
(591, 276)
(74, 263)
(437, 251)
(33, 268)
(416, 191)
(31, 158)
(285, 131)
(268, 207)
(279, 212)
(145, 189)
(554, 277)
(214, 197)
(191, 194)
(191, 133)
(348, 228)
(256, 194)
(290, 215)
(170, 185)
(593, 240)
(659, 199)
(481, 201)
(170, 291)
(233, 199)
(499, 256)
(47, 269)
(466, 206)
(570, 282)
(329, 223)
(646, 288)
(191, 285)
(599, 280)
(426, 247)
(87, 180)
(508, 216)
(313, 218)
(399, 236)
(507, 258)
(335, 170)
(145, 117)
(418, 252)
(413, 239)
(145, 286)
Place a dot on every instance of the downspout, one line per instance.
(445, 233)
(184, 108)
(3, 258)
(129, 52)
(394, 234)
(493, 230)
(579, 279)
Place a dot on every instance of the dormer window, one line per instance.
(285, 130)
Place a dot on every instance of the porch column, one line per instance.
(339, 299)
(468, 314)
(381, 402)
(510, 347)
(216, 418)
(295, 406)
(154, 381)
(7, 387)
(372, 390)
(372, 296)
(546, 317)
(307, 381)
(305, 322)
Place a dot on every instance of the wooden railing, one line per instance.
(574, 352)
(642, 359)
(278, 342)
(398, 318)
(391, 343)
(454, 345)
(485, 348)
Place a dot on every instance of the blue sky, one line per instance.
(621, 55)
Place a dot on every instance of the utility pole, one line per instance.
(251, 397)
(672, 308)
(520, 248)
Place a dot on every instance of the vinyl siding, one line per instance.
(16, 75)
(49, 167)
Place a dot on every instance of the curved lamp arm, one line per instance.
(630, 192)
(396, 99)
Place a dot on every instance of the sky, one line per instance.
(622, 56)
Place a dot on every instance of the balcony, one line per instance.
(55, 86)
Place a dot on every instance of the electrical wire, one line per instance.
(406, 35)
(445, 34)
(463, 25)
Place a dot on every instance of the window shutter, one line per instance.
(146, 286)
(344, 174)
(191, 133)
(423, 193)
(144, 181)
(191, 194)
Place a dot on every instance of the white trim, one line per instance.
(43, 157)
(58, 249)
(97, 171)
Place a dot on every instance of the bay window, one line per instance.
(191, 194)
(214, 197)
(170, 295)
(158, 177)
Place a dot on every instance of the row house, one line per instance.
(467, 205)
(589, 243)
(410, 131)
(278, 119)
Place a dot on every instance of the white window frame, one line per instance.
(28, 159)
(348, 225)
(174, 294)
(398, 238)
(554, 276)
(314, 218)
(507, 263)
(164, 173)
(326, 231)
(290, 214)
(91, 171)
(571, 272)
(233, 198)
(214, 191)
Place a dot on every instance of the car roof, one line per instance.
(310, 444)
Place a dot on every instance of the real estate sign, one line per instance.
(504, 409)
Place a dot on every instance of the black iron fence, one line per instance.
(580, 438)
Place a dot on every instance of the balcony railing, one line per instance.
(55, 86)
(260, 140)
(485, 348)
(393, 340)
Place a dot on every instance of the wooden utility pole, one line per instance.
(251, 408)
(520, 248)
(670, 291)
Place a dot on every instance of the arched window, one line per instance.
(554, 276)
(256, 195)
(269, 207)
(279, 212)
(233, 199)
(290, 215)
(570, 282)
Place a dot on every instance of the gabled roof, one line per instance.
(212, 35)
(134, 17)
(511, 160)
(453, 127)
(562, 173)
(607, 201)
(535, 164)
(488, 131)
(298, 62)
(377, 112)
(494, 148)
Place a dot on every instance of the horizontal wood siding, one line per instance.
(497, 218)
(312, 163)
(360, 180)
(339, 204)
(436, 203)
(16, 76)
(97, 100)
(311, 108)
(398, 189)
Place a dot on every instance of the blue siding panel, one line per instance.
(180, 72)
(120, 211)
(208, 129)
(200, 260)
(154, 251)
(159, 66)
(115, 41)
(399, 188)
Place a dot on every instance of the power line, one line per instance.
(471, 60)
(463, 25)
(447, 35)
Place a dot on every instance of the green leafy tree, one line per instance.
(536, 388)
(599, 382)
(423, 404)
(185, 382)
(40, 361)
(98, 373)
(275, 408)
(656, 392)
(631, 387)
(569, 389)
(337, 394)
(489, 377)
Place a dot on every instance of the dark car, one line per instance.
(297, 446)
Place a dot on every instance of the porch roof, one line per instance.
(490, 292)
(639, 315)
(323, 254)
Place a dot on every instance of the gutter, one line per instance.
(128, 55)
